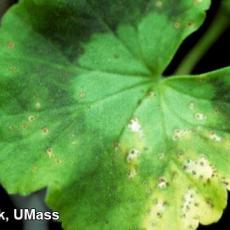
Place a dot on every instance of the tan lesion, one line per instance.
(31, 118)
(52, 156)
(50, 152)
(45, 130)
(10, 44)
(12, 69)
(131, 146)
(159, 4)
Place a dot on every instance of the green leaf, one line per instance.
(85, 112)
(226, 6)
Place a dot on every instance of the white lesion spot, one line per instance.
(133, 154)
(200, 116)
(155, 211)
(189, 209)
(151, 93)
(31, 118)
(49, 152)
(82, 93)
(191, 105)
(214, 137)
(38, 105)
(158, 209)
(200, 168)
(74, 142)
(180, 133)
(177, 25)
(159, 4)
(45, 130)
(162, 183)
(134, 125)
(188, 200)
(132, 173)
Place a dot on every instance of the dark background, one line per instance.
(218, 56)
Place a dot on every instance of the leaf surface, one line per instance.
(226, 5)
(84, 111)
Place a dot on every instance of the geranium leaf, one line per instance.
(86, 113)
(226, 5)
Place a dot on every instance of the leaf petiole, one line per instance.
(216, 29)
